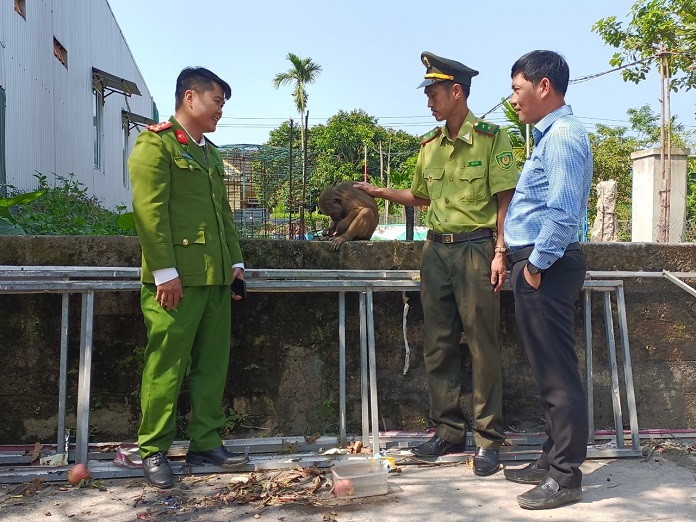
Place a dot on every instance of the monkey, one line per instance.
(353, 213)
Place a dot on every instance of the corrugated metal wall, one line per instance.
(49, 120)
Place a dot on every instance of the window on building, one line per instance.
(60, 52)
(98, 119)
(21, 8)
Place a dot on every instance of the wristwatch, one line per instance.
(532, 269)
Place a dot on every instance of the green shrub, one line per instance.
(66, 209)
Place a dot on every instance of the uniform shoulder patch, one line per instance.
(491, 129)
(430, 136)
(158, 127)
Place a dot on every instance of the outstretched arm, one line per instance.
(401, 196)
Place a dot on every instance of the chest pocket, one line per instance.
(188, 177)
(473, 183)
(434, 179)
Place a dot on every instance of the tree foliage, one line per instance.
(337, 151)
(656, 28)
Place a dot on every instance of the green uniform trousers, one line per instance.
(193, 341)
(457, 295)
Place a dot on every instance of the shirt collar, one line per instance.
(199, 143)
(465, 132)
(548, 120)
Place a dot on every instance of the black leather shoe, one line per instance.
(485, 462)
(548, 495)
(157, 470)
(530, 474)
(436, 447)
(218, 456)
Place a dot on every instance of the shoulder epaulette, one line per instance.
(430, 136)
(158, 127)
(491, 129)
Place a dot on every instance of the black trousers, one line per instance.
(546, 321)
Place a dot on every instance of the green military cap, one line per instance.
(439, 69)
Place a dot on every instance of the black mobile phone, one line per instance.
(239, 288)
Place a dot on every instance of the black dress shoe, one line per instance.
(485, 462)
(530, 474)
(218, 456)
(157, 470)
(436, 447)
(548, 495)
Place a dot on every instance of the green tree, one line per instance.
(659, 33)
(340, 145)
(303, 72)
(611, 150)
(647, 124)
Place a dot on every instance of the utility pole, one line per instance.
(290, 198)
(304, 178)
(665, 147)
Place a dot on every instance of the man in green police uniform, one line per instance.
(191, 255)
(466, 173)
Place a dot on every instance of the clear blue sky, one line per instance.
(370, 54)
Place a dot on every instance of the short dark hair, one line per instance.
(448, 84)
(537, 65)
(198, 79)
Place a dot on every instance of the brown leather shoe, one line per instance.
(548, 495)
(436, 447)
(485, 462)
(530, 474)
(157, 470)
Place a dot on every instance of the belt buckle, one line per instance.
(448, 238)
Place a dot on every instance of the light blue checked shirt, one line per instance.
(553, 188)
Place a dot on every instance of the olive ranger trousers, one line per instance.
(457, 295)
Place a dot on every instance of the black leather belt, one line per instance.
(458, 238)
(523, 253)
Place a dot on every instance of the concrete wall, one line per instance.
(284, 365)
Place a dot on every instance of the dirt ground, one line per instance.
(659, 486)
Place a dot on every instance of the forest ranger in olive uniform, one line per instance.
(466, 174)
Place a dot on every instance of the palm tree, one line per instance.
(303, 72)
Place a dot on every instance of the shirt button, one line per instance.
(445, 220)
(190, 167)
(450, 178)
(446, 200)
(185, 242)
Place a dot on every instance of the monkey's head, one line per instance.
(330, 203)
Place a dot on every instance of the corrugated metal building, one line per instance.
(71, 96)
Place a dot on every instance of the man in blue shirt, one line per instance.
(548, 269)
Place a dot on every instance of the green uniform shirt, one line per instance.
(461, 176)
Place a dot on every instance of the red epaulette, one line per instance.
(157, 127)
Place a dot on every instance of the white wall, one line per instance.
(49, 123)
(645, 201)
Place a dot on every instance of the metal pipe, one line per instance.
(363, 372)
(84, 383)
(373, 372)
(628, 369)
(341, 368)
(615, 393)
(61, 445)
